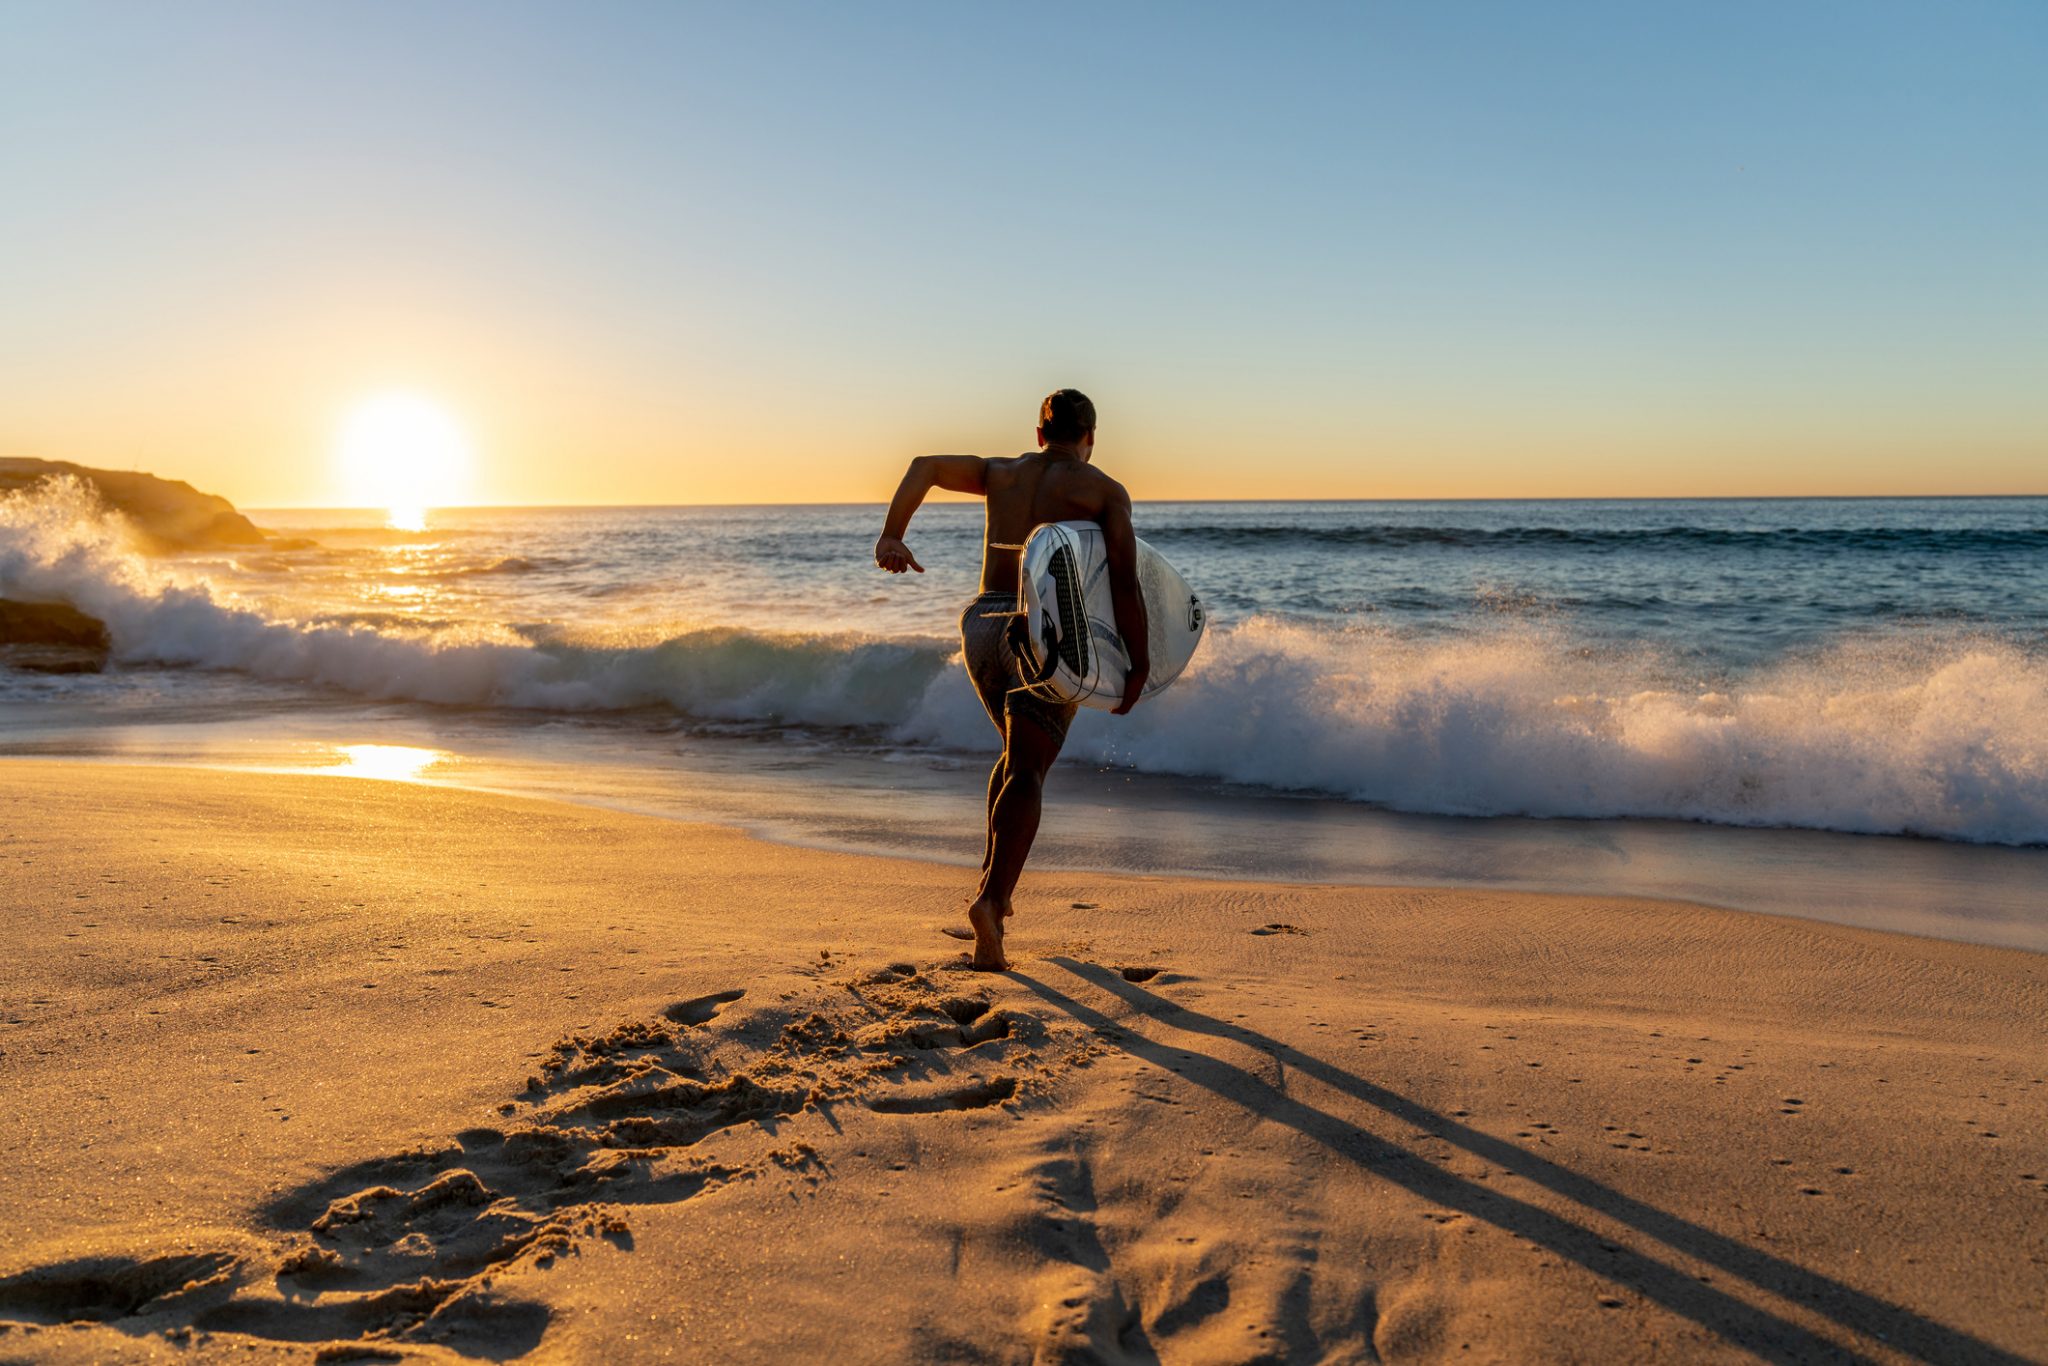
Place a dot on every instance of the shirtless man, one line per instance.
(1052, 484)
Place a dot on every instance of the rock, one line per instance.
(52, 659)
(49, 623)
(50, 638)
(168, 514)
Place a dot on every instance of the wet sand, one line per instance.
(295, 1067)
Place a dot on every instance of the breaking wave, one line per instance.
(1939, 738)
(1943, 737)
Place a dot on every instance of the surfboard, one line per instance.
(1065, 635)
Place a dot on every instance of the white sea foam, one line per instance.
(1945, 738)
(58, 545)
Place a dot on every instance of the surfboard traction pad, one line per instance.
(1064, 633)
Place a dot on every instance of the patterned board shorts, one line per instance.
(992, 665)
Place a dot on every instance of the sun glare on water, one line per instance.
(393, 763)
(406, 453)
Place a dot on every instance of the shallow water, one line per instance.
(814, 790)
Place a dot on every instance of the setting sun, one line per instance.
(403, 452)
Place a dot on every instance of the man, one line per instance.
(1052, 484)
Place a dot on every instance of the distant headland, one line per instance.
(168, 514)
(165, 516)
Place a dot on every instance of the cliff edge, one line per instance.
(169, 514)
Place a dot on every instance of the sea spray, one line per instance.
(1942, 738)
(59, 544)
(1940, 732)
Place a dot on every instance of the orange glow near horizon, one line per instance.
(504, 430)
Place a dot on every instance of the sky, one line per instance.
(676, 253)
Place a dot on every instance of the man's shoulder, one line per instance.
(1100, 483)
(1002, 467)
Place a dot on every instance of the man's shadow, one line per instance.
(1770, 1336)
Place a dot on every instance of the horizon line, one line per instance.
(968, 500)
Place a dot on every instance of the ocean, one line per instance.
(1500, 692)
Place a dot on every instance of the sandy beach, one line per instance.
(1458, 595)
(319, 1068)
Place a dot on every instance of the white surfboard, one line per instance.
(1066, 636)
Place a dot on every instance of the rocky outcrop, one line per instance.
(168, 514)
(51, 638)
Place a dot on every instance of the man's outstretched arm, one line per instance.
(958, 473)
(1120, 546)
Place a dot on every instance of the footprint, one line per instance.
(104, 1289)
(1142, 974)
(1204, 1300)
(977, 1096)
(963, 1010)
(1278, 928)
(404, 1249)
(701, 1009)
(990, 1029)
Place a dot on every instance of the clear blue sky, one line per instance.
(668, 252)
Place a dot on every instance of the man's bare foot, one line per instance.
(981, 891)
(987, 918)
(1008, 911)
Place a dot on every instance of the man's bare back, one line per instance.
(1027, 491)
(1054, 484)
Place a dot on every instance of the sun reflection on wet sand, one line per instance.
(393, 763)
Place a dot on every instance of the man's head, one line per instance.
(1067, 418)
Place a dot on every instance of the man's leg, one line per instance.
(995, 789)
(1028, 753)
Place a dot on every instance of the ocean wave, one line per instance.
(1394, 536)
(1944, 737)
(516, 564)
(60, 545)
(508, 564)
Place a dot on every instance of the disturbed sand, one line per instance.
(321, 1068)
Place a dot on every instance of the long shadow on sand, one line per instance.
(1750, 1327)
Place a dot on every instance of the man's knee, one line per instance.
(1030, 752)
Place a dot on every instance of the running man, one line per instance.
(1052, 484)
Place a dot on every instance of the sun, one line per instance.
(403, 452)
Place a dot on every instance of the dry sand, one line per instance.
(298, 1067)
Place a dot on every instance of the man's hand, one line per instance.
(1134, 684)
(894, 556)
(959, 473)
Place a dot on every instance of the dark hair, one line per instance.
(1066, 416)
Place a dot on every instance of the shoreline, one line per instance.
(453, 1075)
(1159, 826)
